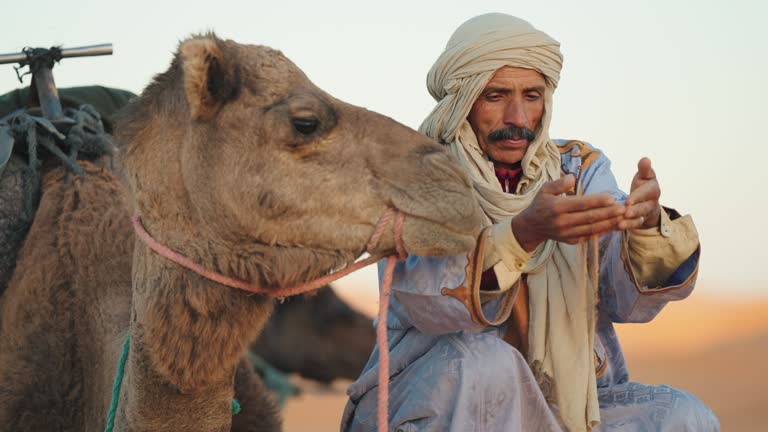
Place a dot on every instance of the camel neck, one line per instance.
(188, 335)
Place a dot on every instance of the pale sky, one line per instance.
(682, 82)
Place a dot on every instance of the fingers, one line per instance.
(560, 186)
(579, 203)
(648, 191)
(577, 233)
(642, 209)
(629, 224)
(645, 174)
(644, 169)
(591, 216)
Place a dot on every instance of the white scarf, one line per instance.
(562, 294)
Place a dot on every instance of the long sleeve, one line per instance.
(505, 255)
(418, 300)
(416, 286)
(439, 295)
(655, 253)
(642, 270)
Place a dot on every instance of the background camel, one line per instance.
(318, 337)
(234, 158)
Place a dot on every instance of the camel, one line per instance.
(235, 159)
(319, 337)
(303, 335)
(16, 213)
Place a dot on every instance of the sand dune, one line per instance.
(717, 350)
(694, 324)
(730, 377)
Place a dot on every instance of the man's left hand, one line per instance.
(643, 209)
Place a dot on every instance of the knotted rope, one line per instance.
(281, 293)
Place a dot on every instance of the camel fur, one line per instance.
(235, 159)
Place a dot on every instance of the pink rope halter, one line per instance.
(281, 293)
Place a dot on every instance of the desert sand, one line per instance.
(716, 349)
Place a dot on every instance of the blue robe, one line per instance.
(450, 373)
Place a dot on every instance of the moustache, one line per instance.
(512, 133)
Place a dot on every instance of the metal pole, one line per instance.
(48, 94)
(84, 51)
(12, 58)
(87, 51)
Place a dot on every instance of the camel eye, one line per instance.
(305, 126)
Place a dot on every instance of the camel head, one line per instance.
(234, 149)
(318, 336)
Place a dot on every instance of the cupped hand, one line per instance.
(566, 218)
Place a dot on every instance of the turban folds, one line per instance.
(562, 278)
(476, 50)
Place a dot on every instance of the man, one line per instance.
(565, 255)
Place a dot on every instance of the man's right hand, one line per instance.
(565, 218)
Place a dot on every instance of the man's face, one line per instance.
(507, 113)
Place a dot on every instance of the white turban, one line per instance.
(562, 290)
(477, 49)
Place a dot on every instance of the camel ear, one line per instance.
(211, 77)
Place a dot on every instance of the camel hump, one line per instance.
(85, 218)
